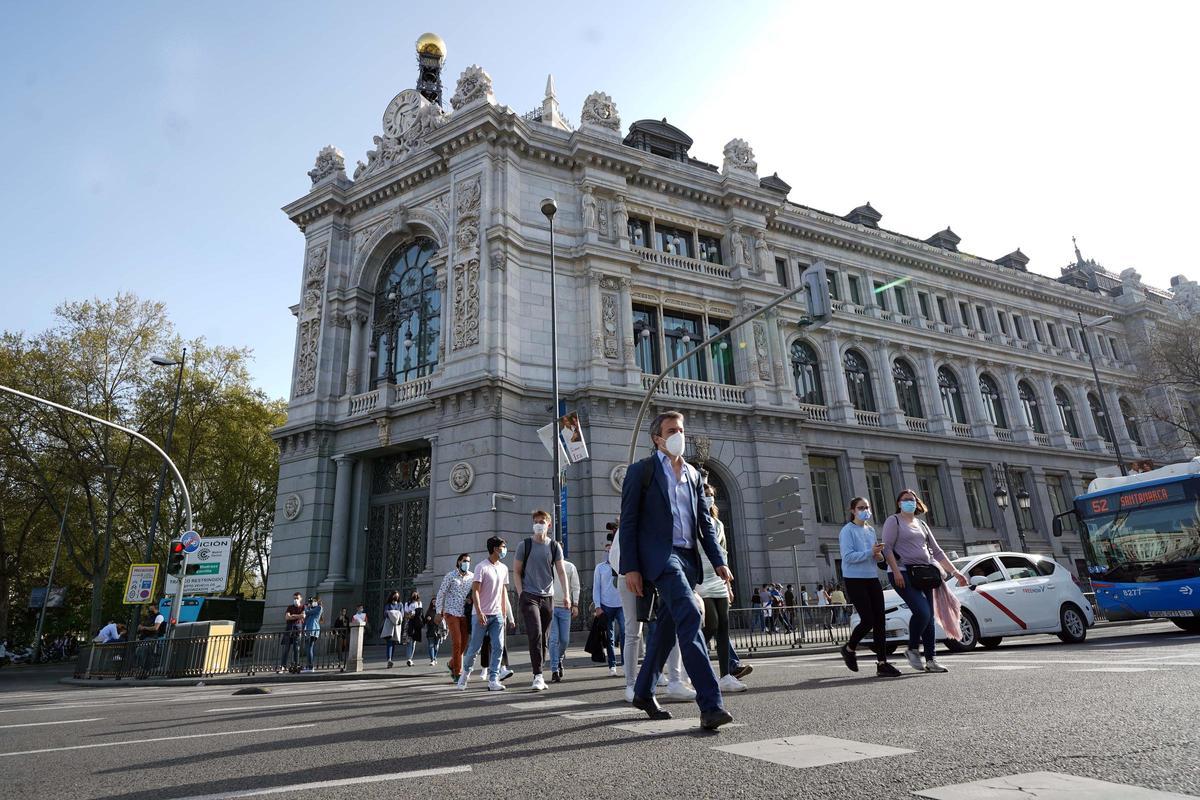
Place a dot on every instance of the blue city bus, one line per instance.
(1141, 539)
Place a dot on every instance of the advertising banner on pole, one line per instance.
(207, 568)
(570, 431)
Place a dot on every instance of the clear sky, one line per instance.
(149, 146)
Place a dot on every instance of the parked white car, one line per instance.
(1011, 594)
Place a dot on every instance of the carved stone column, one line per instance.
(1059, 437)
(841, 410)
(939, 421)
(981, 426)
(358, 323)
(625, 333)
(889, 402)
(1022, 432)
(340, 533)
(1083, 416)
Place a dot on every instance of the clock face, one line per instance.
(401, 112)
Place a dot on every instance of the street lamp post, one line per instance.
(1024, 501)
(37, 634)
(549, 209)
(1087, 348)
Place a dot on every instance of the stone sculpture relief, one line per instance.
(761, 351)
(465, 273)
(599, 111)
(462, 475)
(473, 85)
(311, 307)
(588, 202)
(330, 165)
(408, 122)
(608, 320)
(739, 158)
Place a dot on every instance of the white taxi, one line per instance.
(1010, 594)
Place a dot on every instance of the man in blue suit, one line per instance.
(665, 519)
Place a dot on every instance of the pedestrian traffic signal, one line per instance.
(816, 291)
(176, 558)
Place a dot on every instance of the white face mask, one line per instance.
(539, 528)
(674, 444)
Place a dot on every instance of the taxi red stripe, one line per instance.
(987, 596)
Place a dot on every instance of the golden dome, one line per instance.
(431, 44)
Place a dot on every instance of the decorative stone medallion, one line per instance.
(292, 505)
(462, 475)
(617, 476)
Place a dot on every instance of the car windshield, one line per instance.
(1145, 544)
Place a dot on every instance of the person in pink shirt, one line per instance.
(490, 598)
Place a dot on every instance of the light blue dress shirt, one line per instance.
(679, 492)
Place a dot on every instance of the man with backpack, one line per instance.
(539, 559)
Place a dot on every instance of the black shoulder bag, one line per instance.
(924, 576)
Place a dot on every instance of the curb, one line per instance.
(223, 680)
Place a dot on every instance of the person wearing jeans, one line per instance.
(451, 604)
(907, 541)
(539, 560)
(293, 622)
(560, 626)
(607, 598)
(860, 552)
(312, 628)
(489, 597)
(393, 625)
(715, 593)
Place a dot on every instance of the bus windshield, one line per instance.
(1158, 543)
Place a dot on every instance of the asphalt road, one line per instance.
(1119, 708)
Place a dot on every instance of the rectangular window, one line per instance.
(1112, 347)
(981, 315)
(1060, 501)
(827, 489)
(722, 354)
(639, 232)
(977, 498)
(1053, 332)
(879, 487)
(835, 289)
(673, 241)
(880, 295)
(855, 290)
(710, 249)
(1002, 318)
(1037, 329)
(930, 487)
(645, 337)
(943, 314)
(1018, 327)
(901, 301)
(1071, 338)
(781, 272)
(681, 332)
(964, 314)
(923, 302)
(1019, 483)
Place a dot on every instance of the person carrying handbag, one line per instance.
(912, 556)
(393, 624)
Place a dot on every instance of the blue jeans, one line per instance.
(756, 620)
(312, 646)
(291, 646)
(921, 625)
(680, 614)
(390, 647)
(432, 642)
(560, 637)
(735, 663)
(615, 633)
(493, 628)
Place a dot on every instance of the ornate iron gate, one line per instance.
(397, 527)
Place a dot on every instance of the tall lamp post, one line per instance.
(549, 209)
(1087, 348)
(1024, 502)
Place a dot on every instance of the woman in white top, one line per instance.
(716, 595)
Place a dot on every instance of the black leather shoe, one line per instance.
(555, 677)
(652, 708)
(850, 657)
(743, 670)
(711, 720)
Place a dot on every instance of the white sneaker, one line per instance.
(628, 694)
(538, 683)
(433, 663)
(731, 684)
(462, 679)
(933, 666)
(662, 679)
(612, 672)
(680, 692)
(409, 662)
(506, 674)
(914, 660)
(495, 686)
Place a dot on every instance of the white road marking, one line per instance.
(157, 739)
(1045, 786)
(262, 708)
(600, 713)
(1118, 669)
(551, 702)
(802, 752)
(304, 787)
(1009, 667)
(657, 727)
(56, 722)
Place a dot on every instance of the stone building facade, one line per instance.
(423, 351)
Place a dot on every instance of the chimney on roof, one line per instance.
(865, 216)
(947, 240)
(1014, 260)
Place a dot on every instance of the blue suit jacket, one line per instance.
(646, 522)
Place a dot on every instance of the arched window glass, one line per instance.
(858, 381)
(1029, 407)
(1130, 422)
(807, 373)
(993, 403)
(1098, 417)
(908, 394)
(407, 328)
(948, 389)
(1066, 414)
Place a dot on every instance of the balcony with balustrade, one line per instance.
(389, 396)
(698, 391)
(705, 269)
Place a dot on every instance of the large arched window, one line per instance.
(858, 381)
(908, 394)
(1029, 407)
(406, 333)
(1098, 417)
(1066, 414)
(807, 373)
(993, 403)
(948, 390)
(1130, 422)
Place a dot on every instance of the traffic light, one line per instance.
(816, 291)
(176, 558)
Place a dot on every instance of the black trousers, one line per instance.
(867, 596)
(716, 624)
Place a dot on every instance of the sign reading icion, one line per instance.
(207, 568)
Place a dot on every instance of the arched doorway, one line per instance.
(397, 526)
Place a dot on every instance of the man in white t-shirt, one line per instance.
(489, 594)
